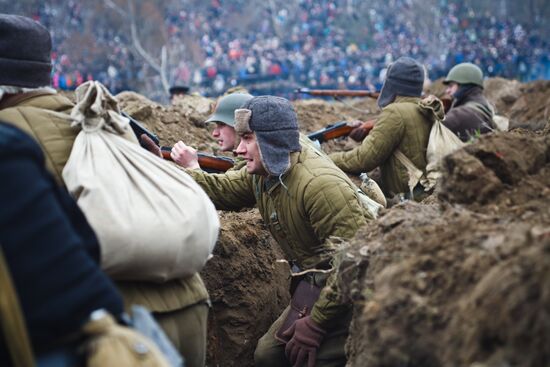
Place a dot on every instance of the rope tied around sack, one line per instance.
(96, 108)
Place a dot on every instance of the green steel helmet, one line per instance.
(225, 109)
(465, 73)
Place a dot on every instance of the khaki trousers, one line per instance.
(271, 352)
(186, 329)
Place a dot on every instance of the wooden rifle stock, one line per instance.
(332, 131)
(338, 92)
(207, 162)
(139, 130)
(339, 129)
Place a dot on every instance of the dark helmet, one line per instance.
(225, 109)
(465, 73)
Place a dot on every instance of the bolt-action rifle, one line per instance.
(338, 93)
(207, 162)
(338, 129)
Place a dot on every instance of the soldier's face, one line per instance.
(225, 135)
(249, 150)
(452, 87)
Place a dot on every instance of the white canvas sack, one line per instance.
(441, 142)
(153, 221)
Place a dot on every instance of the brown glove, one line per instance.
(149, 144)
(360, 132)
(306, 337)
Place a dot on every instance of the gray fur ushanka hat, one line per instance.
(275, 124)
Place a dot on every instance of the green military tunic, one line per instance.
(311, 202)
(403, 125)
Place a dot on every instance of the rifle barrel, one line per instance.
(338, 93)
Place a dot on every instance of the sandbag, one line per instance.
(153, 221)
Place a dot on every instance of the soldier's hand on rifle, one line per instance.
(360, 129)
(149, 144)
(185, 155)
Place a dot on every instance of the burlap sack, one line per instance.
(152, 220)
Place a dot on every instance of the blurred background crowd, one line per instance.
(276, 46)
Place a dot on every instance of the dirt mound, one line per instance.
(526, 105)
(453, 284)
(248, 288)
(502, 92)
(480, 171)
(173, 122)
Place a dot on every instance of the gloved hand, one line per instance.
(150, 145)
(361, 130)
(305, 338)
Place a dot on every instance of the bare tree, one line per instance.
(159, 64)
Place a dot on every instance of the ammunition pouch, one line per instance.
(305, 292)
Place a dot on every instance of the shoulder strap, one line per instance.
(15, 99)
(12, 321)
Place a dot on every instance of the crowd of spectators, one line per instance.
(306, 43)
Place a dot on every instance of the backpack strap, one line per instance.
(12, 321)
(15, 99)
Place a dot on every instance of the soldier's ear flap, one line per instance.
(242, 120)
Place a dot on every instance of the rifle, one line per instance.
(338, 93)
(139, 130)
(208, 162)
(336, 130)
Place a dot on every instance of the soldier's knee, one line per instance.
(268, 354)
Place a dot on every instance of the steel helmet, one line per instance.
(225, 109)
(465, 73)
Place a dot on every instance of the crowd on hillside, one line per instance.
(309, 44)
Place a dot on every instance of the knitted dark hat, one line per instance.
(404, 77)
(179, 89)
(25, 47)
(275, 124)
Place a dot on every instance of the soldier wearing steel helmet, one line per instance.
(224, 131)
(470, 113)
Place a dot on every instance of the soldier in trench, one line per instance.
(304, 199)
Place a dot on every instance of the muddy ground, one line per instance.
(459, 279)
(463, 278)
